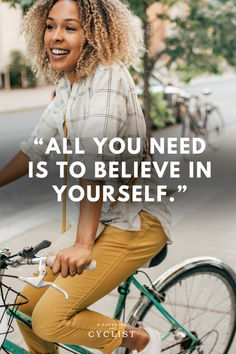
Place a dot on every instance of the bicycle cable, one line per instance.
(141, 271)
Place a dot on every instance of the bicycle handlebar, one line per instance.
(28, 257)
(30, 252)
(49, 262)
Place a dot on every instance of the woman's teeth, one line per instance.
(59, 51)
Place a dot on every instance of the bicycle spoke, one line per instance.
(203, 303)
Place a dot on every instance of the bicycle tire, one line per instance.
(192, 127)
(214, 128)
(187, 131)
(208, 335)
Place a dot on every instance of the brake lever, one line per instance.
(47, 283)
(37, 282)
(30, 252)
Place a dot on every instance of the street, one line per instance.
(223, 90)
(25, 198)
(204, 222)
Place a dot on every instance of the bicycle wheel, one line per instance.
(187, 128)
(202, 299)
(214, 128)
(192, 127)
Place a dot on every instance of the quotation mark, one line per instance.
(180, 189)
(38, 141)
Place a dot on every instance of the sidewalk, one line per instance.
(207, 78)
(26, 99)
(16, 100)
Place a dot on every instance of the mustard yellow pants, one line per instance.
(118, 254)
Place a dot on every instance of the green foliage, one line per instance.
(24, 4)
(202, 35)
(139, 7)
(202, 38)
(161, 115)
(224, 29)
(18, 67)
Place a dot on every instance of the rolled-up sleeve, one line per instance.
(106, 117)
(37, 144)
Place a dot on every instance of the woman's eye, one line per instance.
(49, 27)
(70, 28)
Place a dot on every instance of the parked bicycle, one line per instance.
(192, 304)
(201, 118)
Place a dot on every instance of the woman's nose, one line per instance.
(58, 35)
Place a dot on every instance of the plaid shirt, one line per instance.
(102, 105)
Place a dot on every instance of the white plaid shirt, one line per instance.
(103, 105)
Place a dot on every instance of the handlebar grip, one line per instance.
(51, 259)
(92, 265)
(41, 246)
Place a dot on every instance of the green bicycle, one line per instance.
(192, 304)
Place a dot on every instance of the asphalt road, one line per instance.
(25, 195)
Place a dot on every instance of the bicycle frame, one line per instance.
(204, 109)
(123, 290)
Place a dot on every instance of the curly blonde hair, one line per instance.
(111, 33)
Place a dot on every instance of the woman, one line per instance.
(85, 46)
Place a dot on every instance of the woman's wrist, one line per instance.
(86, 245)
(89, 217)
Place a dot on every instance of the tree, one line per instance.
(140, 7)
(21, 74)
(201, 37)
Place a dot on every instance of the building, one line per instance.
(10, 39)
(158, 28)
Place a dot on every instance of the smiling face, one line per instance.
(64, 38)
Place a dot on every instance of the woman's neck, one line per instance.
(72, 77)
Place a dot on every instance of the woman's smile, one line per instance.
(64, 38)
(58, 54)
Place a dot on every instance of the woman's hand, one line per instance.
(72, 261)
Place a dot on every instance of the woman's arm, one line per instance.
(106, 118)
(16, 168)
(74, 260)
